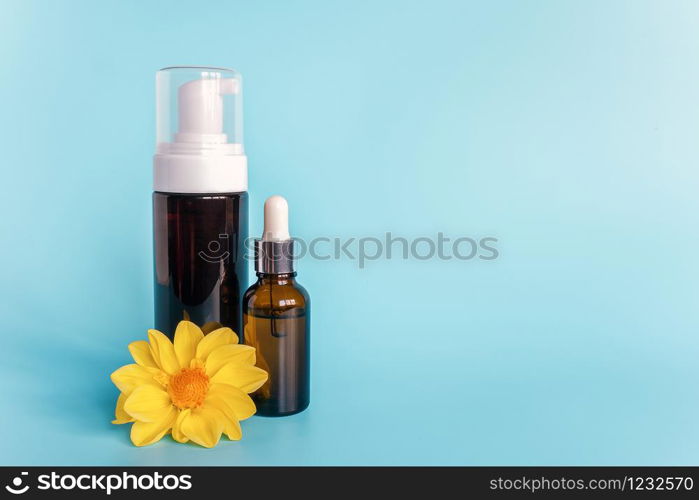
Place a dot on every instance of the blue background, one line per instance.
(568, 130)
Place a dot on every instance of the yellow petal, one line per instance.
(128, 377)
(231, 401)
(121, 417)
(215, 339)
(187, 337)
(231, 425)
(203, 426)
(140, 351)
(148, 403)
(163, 352)
(177, 434)
(145, 433)
(233, 430)
(231, 353)
(246, 378)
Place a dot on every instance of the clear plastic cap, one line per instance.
(199, 111)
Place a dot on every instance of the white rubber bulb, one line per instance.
(276, 219)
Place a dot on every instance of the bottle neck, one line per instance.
(274, 257)
(276, 279)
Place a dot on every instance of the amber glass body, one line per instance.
(200, 266)
(276, 316)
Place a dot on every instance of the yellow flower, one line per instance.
(196, 388)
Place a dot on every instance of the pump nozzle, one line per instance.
(200, 106)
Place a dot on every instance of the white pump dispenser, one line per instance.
(204, 154)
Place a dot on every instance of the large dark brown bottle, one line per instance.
(200, 266)
(200, 204)
(276, 315)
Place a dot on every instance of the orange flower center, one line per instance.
(188, 388)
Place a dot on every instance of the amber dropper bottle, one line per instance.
(276, 317)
